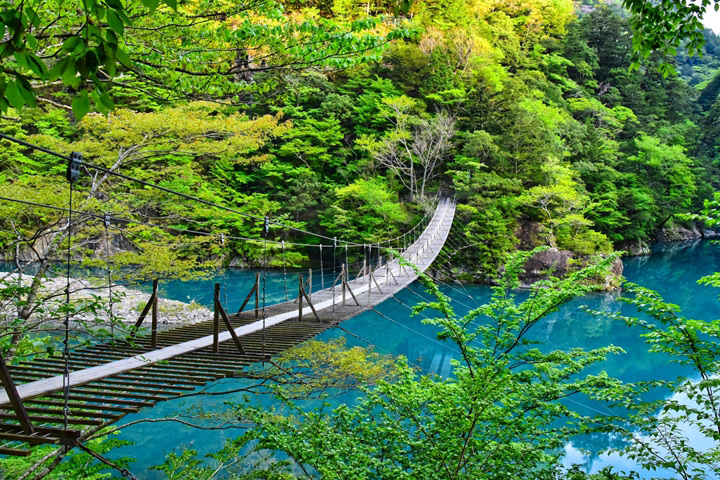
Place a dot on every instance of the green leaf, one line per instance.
(116, 4)
(151, 4)
(98, 104)
(107, 100)
(81, 105)
(58, 69)
(123, 58)
(13, 95)
(115, 23)
(71, 43)
(171, 3)
(91, 60)
(37, 66)
(69, 72)
(21, 59)
(110, 61)
(26, 91)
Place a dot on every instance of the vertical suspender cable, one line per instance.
(66, 341)
(264, 280)
(106, 221)
(224, 267)
(332, 277)
(322, 274)
(72, 174)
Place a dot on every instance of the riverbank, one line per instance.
(126, 306)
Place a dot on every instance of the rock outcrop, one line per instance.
(558, 263)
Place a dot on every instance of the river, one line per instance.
(672, 270)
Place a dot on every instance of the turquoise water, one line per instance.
(673, 271)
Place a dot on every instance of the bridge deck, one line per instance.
(109, 381)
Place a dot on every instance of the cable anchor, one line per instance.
(73, 170)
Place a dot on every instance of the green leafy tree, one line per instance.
(667, 172)
(667, 26)
(176, 51)
(494, 418)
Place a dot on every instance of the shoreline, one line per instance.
(127, 305)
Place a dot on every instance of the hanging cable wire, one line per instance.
(264, 284)
(106, 222)
(71, 175)
(164, 189)
(88, 165)
(347, 264)
(334, 251)
(322, 274)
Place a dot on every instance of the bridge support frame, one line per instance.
(15, 400)
(346, 288)
(303, 294)
(220, 312)
(152, 303)
(256, 290)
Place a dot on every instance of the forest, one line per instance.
(549, 121)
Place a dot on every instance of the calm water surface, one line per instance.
(673, 271)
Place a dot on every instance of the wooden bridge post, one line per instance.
(257, 293)
(15, 399)
(369, 289)
(153, 337)
(220, 312)
(152, 303)
(216, 321)
(254, 290)
(300, 296)
(344, 281)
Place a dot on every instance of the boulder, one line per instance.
(678, 234)
(529, 235)
(558, 263)
(636, 248)
(543, 264)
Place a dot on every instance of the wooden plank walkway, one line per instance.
(109, 381)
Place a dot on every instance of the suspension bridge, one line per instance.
(60, 398)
